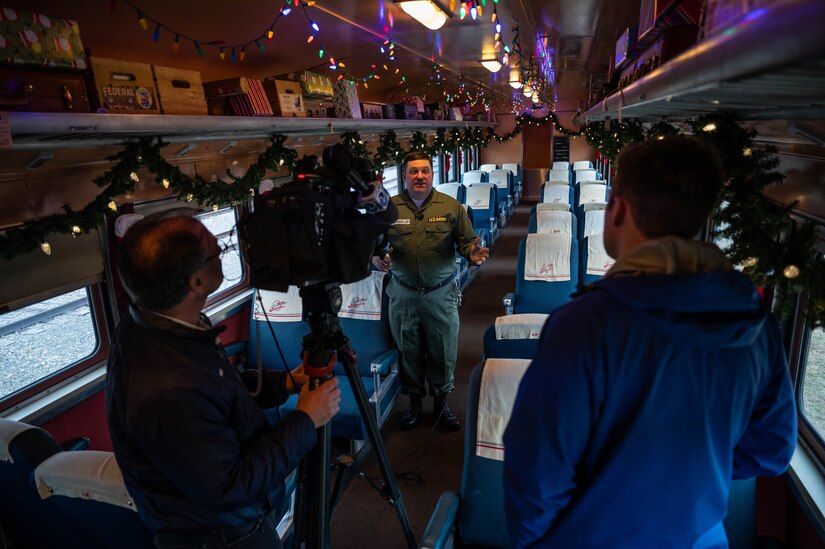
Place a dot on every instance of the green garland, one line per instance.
(522, 120)
(121, 179)
(773, 250)
(356, 144)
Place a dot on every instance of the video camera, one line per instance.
(322, 226)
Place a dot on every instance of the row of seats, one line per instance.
(549, 220)
(54, 497)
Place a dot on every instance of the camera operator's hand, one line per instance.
(323, 403)
(296, 380)
(479, 255)
(383, 263)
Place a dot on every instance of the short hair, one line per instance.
(157, 257)
(415, 155)
(672, 185)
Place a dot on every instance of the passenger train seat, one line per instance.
(474, 176)
(483, 199)
(514, 336)
(487, 168)
(561, 165)
(25, 519)
(455, 190)
(474, 516)
(547, 273)
(515, 169)
(503, 180)
(582, 165)
(364, 320)
(87, 488)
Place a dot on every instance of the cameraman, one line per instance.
(197, 453)
(423, 292)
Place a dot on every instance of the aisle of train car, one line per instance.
(428, 460)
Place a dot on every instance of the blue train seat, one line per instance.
(364, 320)
(514, 336)
(582, 165)
(455, 190)
(579, 176)
(25, 519)
(474, 516)
(594, 259)
(503, 180)
(547, 273)
(553, 222)
(588, 195)
(473, 176)
(553, 192)
(592, 222)
(515, 169)
(88, 489)
(561, 165)
(559, 175)
(487, 168)
(483, 199)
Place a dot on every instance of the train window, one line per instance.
(812, 401)
(391, 182)
(222, 224)
(42, 339)
(436, 170)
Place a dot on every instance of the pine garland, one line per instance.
(356, 144)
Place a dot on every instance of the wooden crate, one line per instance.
(285, 97)
(123, 87)
(180, 91)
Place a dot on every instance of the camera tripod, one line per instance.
(321, 348)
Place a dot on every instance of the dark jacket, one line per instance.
(195, 449)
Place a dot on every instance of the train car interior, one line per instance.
(113, 110)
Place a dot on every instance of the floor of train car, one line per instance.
(428, 461)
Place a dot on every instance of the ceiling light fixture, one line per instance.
(429, 13)
(492, 65)
(516, 84)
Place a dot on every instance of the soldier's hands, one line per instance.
(479, 255)
(383, 263)
(323, 403)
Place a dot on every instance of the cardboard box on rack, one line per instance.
(179, 91)
(123, 87)
(345, 99)
(285, 97)
(372, 110)
(37, 40)
(313, 85)
(252, 103)
(405, 111)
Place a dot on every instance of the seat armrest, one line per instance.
(77, 443)
(509, 302)
(381, 364)
(440, 531)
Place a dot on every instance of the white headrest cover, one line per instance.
(87, 474)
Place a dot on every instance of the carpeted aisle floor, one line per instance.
(428, 461)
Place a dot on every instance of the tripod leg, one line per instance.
(346, 357)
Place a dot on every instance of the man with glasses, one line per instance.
(423, 292)
(197, 454)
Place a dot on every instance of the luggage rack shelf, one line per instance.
(769, 66)
(50, 131)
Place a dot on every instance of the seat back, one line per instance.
(514, 167)
(558, 175)
(552, 289)
(554, 222)
(483, 199)
(590, 193)
(594, 259)
(501, 179)
(582, 165)
(561, 165)
(474, 176)
(87, 488)
(584, 175)
(556, 192)
(487, 168)
(25, 519)
(592, 222)
(455, 190)
(514, 336)
(276, 316)
(481, 520)
(364, 319)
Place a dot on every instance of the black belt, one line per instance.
(426, 290)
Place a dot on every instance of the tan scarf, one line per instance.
(671, 255)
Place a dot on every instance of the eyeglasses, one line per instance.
(223, 250)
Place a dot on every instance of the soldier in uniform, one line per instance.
(423, 292)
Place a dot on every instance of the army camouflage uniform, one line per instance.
(423, 295)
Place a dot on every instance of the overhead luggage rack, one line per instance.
(770, 65)
(41, 131)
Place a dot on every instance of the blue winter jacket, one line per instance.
(647, 396)
(195, 449)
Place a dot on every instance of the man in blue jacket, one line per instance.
(657, 385)
(198, 456)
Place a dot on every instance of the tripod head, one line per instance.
(321, 303)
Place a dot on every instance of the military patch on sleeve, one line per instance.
(401, 222)
(437, 219)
